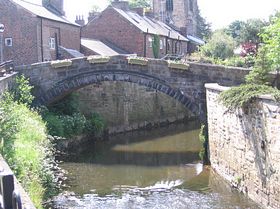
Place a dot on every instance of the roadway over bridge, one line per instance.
(53, 82)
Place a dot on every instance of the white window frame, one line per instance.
(150, 42)
(52, 43)
(9, 42)
(161, 44)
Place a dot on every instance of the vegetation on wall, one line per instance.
(156, 45)
(25, 145)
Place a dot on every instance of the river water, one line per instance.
(147, 169)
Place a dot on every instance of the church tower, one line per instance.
(181, 14)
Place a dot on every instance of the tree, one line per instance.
(139, 3)
(203, 28)
(219, 46)
(271, 40)
(234, 29)
(250, 31)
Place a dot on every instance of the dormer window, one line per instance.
(8, 42)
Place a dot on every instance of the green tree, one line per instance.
(203, 28)
(250, 31)
(139, 3)
(234, 29)
(220, 46)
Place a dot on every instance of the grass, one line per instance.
(27, 150)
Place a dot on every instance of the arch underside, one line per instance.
(66, 86)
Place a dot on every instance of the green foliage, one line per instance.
(64, 119)
(220, 46)
(27, 150)
(250, 31)
(203, 28)
(271, 39)
(202, 138)
(139, 3)
(156, 45)
(22, 91)
(234, 29)
(241, 96)
(67, 106)
(95, 124)
(260, 73)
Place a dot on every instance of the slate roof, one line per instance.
(41, 11)
(196, 40)
(73, 52)
(149, 25)
(99, 47)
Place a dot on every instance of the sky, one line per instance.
(219, 13)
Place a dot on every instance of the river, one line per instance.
(147, 169)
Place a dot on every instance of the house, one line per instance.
(134, 32)
(36, 33)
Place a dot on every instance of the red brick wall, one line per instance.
(22, 27)
(68, 36)
(111, 26)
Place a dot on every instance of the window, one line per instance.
(150, 42)
(191, 5)
(169, 5)
(52, 43)
(8, 42)
(161, 44)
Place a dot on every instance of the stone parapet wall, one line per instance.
(7, 82)
(245, 146)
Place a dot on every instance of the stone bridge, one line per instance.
(53, 82)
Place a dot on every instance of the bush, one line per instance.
(95, 124)
(241, 96)
(220, 46)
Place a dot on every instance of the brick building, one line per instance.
(134, 32)
(36, 33)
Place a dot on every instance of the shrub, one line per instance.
(220, 46)
(95, 124)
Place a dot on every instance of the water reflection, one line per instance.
(158, 169)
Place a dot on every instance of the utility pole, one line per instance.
(2, 28)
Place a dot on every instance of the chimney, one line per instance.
(123, 5)
(150, 14)
(80, 20)
(55, 6)
(139, 10)
(92, 15)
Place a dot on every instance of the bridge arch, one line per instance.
(70, 84)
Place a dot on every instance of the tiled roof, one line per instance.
(149, 25)
(98, 47)
(41, 11)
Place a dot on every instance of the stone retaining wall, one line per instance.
(245, 146)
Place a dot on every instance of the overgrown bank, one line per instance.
(25, 145)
